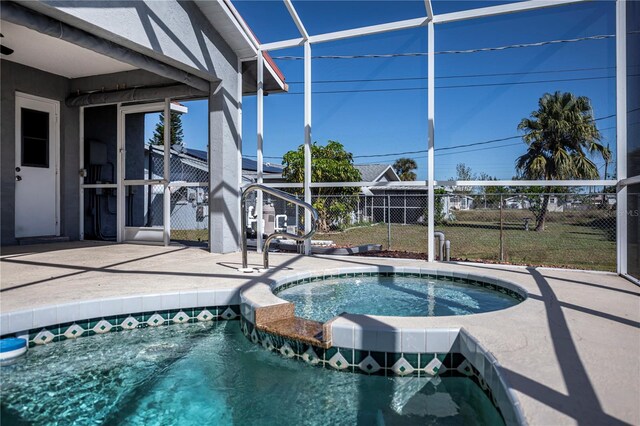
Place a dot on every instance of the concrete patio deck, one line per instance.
(570, 351)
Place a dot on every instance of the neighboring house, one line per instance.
(556, 204)
(458, 202)
(609, 201)
(400, 203)
(189, 203)
(75, 89)
(517, 202)
(377, 173)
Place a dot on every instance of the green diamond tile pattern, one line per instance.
(369, 365)
(465, 368)
(287, 351)
(43, 337)
(129, 323)
(204, 315)
(338, 362)
(254, 336)
(402, 367)
(310, 356)
(180, 318)
(89, 327)
(425, 367)
(433, 367)
(74, 331)
(229, 314)
(102, 327)
(155, 320)
(267, 343)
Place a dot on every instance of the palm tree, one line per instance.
(560, 136)
(404, 167)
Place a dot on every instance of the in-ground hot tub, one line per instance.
(388, 339)
(397, 294)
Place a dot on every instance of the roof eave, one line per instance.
(274, 78)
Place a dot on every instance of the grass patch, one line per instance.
(584, 243)
(190, 234)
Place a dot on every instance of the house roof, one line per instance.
(247, 163)
(373, 172)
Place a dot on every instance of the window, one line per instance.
(35, 138)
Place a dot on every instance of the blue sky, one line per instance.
(479, 96)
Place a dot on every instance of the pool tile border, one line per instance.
(489, 283)
(464, 362)
(122, 322)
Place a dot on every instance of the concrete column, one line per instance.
(224, 171)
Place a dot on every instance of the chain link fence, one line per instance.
(551, 229)
(189, 204)
(564, 230)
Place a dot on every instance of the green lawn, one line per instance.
(583, 240)
(190, 234)
(579, 241)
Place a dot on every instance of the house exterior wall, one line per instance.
(224, 173)
(173, 32)
(15, 77)
(167, 30)
(178, 33)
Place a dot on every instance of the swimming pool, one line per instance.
(210, 373)
(395, 296)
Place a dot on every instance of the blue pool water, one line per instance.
(392, 296)
(209, 373)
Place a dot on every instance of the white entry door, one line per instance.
(36, 168)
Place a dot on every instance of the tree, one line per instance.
(176, 130)
(405, 167)
(559, 136)
(329, 163)
(463, 172)
(494, 194)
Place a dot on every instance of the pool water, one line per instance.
(209, 373)
(392, 296)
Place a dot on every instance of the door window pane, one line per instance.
(35, 138)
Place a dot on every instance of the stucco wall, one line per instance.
(15, 77)
(170, 31)
(176, 33)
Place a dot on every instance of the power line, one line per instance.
(436, 149)
(456, 76)
(447, 148)
(447, 52)
(461, 152)
(460, 86)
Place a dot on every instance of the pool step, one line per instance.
(311, 332)
(280, 319)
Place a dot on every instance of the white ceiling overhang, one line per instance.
(55, 56)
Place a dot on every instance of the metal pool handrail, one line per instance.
(282, 195)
